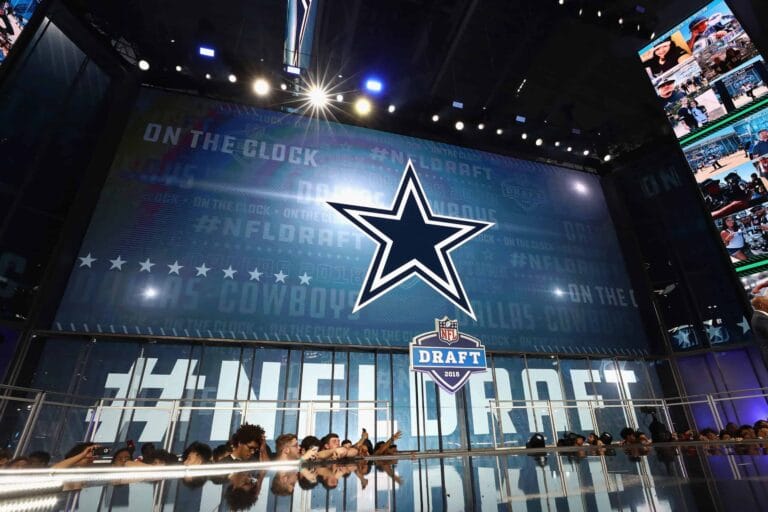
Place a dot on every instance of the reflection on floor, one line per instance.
(666, 477)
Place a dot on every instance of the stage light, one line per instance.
(173, 41)
(178, 68)
(580, 188)
(207, 76)
(481, 126)
(150, 293)
(519, 119)
(524, 136)
(318, 98)
(283, 87)
(581, 11)
(599, 13)
(457, 104)
(339, 98)
(459, 125)
(374, 85)
(391, 109)
(435, 118)
(232, 78)
(363, 106)
(653, 35)
(561, 2)
(143, 65)
(607, 158)
(261, 87)
(557, 143)
(293, 70)
(539, 142)
(586, 152)
(569, 149)
(204, 51)
(638, 27)
(499, 131)
(558, 292)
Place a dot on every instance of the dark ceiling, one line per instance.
(574, 76)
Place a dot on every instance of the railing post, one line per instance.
(715, 414)
(493, 424)
(173, 418)
(593, 416)
(552, 421)
(95, 419)
(29, 425)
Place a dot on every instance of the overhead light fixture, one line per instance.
(561, 2)
(581, 11)
(599, 13)
(653, 35)
(293, 70)
(318, 98)
(207, 76)
(435, 118)
(520, 119)
(459, 125)
(607, 158)
(283, 87)
(586, 152)
(481, 126)
(391, 109)
(539, 141)
(143, 65)
(621, 21)
(232, 78)
(569, 149)
(173, 41)
(524, 136)
(178, 68)
(339, 98)
(205, 51)
(260, 87)
(557, 143)
(499, 131)
(374, 85)
(457, 104)
(363, 106)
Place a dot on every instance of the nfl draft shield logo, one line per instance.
(447, 355)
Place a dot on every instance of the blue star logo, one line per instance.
(412, 241)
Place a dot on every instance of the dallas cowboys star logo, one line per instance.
(410, 241)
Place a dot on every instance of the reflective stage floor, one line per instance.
(673, 477)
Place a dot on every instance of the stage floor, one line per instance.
(685, 477)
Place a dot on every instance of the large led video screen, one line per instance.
(704, 69)
(225, 221)
(14, 16)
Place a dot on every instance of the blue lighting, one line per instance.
(374, 85)
(207, 52)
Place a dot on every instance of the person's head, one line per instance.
(730, 222)
(78, 449)
(242, 491)
(287, 447)
(221, 452)
(536, 441)
(662, 49)
(606, 438)
(592, 438)
(147, 449)
(196, 454)
(366, 448)
(628, 434)
(763, 135)
(747, 432)
(5, 456)
(346, 443)
(698, 25)
(161, 458)
(39, 459)
(121, 457)
(284, 482)
(665, 88)
(247, 441)
(330, 442)
(725, 435)
(709, 434)
(18, 463)
(308, 443)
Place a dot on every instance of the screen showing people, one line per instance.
(14, 16)
(704, 68)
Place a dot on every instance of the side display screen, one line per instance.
(225, 221)
(14, 16)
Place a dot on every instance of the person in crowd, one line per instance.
(284, 482)
(593, 439)
(606, 438)
(243, 490)
(760, 316)
(701, 28)
(221, 452)
(666, 55)
(5, 456)
(760, 146)
(18, 463)
(146, 450)
(747, 432)
(161, 458)
(308, 443)
(39, 459)
(330, 448)
(80, 455)
(197, 454)
(122, 457)
(288, 448)
(668, 92)
(733, 238)
(628, 436)
(247, 444)
(708, 434)
(346, 443)
(387, 447)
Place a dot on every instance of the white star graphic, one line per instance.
(86, 260)
(744, 324)
(229, 272)
(174, 269)
(146, 265)
(304, 279)
(202, 270)
(255, 275)
(280, 278)
(117, 263)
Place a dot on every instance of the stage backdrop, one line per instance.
(216, 221)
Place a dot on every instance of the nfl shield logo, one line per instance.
(448, 330)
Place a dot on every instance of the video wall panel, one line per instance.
(14, 16)
(225, 221)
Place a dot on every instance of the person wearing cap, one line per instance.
(666, 55)
(668, 92)
(760, 147)
(700, 27)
